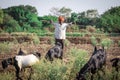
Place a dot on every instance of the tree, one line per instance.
(61, 11)
(1, 16)
(74, 17)
(46, 20)
(65, 11)
(110, 20)
(55, 11)
(92, 13)
(24, 15)
(10, 25)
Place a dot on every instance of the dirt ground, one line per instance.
(113, 51)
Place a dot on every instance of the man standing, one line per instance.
(60, 30)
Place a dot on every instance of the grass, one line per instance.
(60, 70)
(6, 76)
(5, 47)
(106, 42)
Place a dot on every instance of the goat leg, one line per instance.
(91, 77)
(31, 72)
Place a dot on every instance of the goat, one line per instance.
(116, 64)
(95, 63)
(21, 61)
(55, 51)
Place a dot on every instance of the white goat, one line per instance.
(21, 61)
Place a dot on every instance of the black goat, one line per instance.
(116, 64)
(21, 61)
(96, 62)
(55, 51)
(21, 52)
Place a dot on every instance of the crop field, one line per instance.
(76, 53)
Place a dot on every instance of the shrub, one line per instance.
(119, 43)
(60, 70)
(106, 42)
(36, 39)
(11, 25)
(4, 47)
(93, 41)
(79, 60)
(67, 42)
(52, 41)
(91, 29)
(6, 76)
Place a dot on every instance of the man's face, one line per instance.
(61, 21)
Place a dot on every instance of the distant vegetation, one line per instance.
(25, 19)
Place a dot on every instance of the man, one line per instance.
(60, 30)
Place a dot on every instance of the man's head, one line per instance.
(61, 19)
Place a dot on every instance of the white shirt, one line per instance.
(60, 30)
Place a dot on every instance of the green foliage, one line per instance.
(67, 42)
(1, 16)
(84, 18)
(10, 25)
(119, 43)
(106, 42)
(6, 76)
(74, 17)
(46, 20)
(25, 16)
(93, 41)
(4, 47)
(36, 39)
(78, 61)
(110, 20)
(60, 70)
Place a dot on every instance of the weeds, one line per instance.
(93, 41)
(4, 47)
(106, 42)
(6, 76)
(59, 70)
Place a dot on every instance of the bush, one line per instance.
(11, 25)
(60, 70)
(91, 29)
(93, 41)
(67, 42)
(6, 76)
(106, 42)
(4, 47)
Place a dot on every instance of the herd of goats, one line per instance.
(96, 62)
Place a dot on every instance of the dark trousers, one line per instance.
(60, 41)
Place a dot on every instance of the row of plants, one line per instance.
(5, 46)
(68, 34)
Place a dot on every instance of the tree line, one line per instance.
(25, 18)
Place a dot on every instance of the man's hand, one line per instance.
(70, 23)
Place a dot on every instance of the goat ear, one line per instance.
(103, 48)
(20, 49)
(95, 49)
